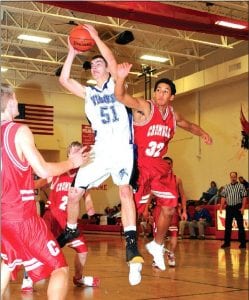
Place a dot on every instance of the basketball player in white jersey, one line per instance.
(113, 149)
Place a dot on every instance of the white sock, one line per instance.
(130, 228)
(72, 226)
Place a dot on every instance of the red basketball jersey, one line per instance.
(152, 137)
(56, 214)
(58, 196)
(17, 192)
(59, 190)
(155, 176)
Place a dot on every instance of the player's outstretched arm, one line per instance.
(104, 50)
(69, 83)
(25, 146)
(193, 128)
(121, 92)
(183, 198)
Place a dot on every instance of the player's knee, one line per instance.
(168, 211)
(63, 272)
(75, 194)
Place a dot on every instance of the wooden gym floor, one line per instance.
(203, 272)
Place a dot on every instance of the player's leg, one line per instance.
(73, 210)
(58, 284)
(163, 223)
(173, 230)
(89, 204)
(128, 213)
(156, 247)
(27, 283)
(79, 279)
(171, 252)
(5, 277)
(79, 262)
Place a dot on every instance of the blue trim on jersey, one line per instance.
(130, 118)
(104, 86)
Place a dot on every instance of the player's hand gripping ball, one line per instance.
(81, 39)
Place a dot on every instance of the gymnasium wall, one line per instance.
(216, 107)
(217, 110)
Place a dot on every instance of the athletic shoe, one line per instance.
(157, 251)
(171, 259)
(86, 281)
(135, 260)
(27, 285)
(135, 273)
(133, 255)
(67, 236)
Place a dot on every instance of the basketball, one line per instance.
(80, 39)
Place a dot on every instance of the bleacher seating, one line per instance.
(209, 230)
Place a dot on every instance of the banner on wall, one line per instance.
(88, 136)
(222, 216)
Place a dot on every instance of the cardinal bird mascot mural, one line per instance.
(245, 131)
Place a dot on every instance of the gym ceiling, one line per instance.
(183, 32)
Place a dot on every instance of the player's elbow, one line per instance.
(43, 171)
(62, 80)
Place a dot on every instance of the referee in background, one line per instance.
(235, 196)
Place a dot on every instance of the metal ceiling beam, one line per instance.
(121, 27)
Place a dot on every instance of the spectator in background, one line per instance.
(184, 223)
(245, 183)
(216, 198)
(200, 220)
(235, 196)
(213, 190)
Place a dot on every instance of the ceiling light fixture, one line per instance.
(230, 25)
(4, 69)
(154, 58)
(33, 38)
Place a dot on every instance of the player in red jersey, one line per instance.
(55, 217)
(25, 238)
(180, 213)
(154, 126)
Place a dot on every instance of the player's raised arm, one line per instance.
(104, 50)
(65, 80)
(121, 92)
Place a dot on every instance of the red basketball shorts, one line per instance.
(56, 222)
(31, 244)
(155, 178)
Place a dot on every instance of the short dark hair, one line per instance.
(167, 81)
(168, 158)
(99, 56)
